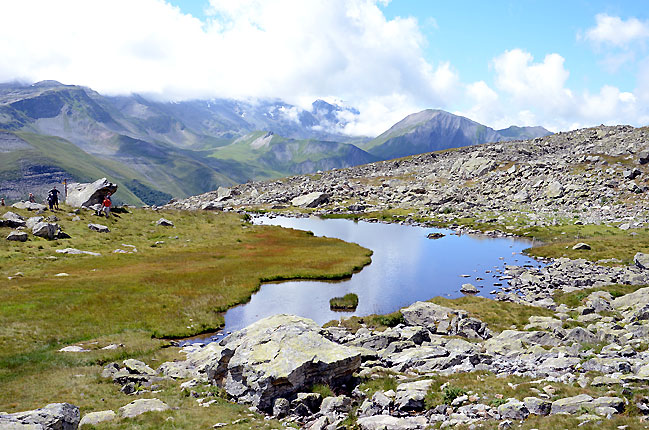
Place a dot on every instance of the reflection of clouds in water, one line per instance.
(406, 267)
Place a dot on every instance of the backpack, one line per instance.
(107, 203)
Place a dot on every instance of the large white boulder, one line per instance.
(275, 357)
(89, 194)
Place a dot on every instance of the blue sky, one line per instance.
(559, 64)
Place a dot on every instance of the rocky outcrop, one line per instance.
(275, 357)
(310, 200)
(55, 416)
(86, 195)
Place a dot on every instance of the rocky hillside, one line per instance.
(595, 175)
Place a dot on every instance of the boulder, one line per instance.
(426, 314)
(19, 236)
(47, 230)
(30, 206)
(164, 222)
(410, 395)
(140, 406)
(554, 190)
(13, 220)
(537, 406)
(634, 300)
(274, 357)
(94, 418)
(387, 422)
(641, 260)
(469, 289)
(310, 200)
(570, 405)
(513, 410)
(55, 416)
(32, 221)
(89, 194)
(643, 157)
(581, 246)
(99, 228)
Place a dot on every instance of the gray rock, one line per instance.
(12, 219)
(310, 200)
(164, 222)
(75, 251)
(513, 410)
(581, 246)
(570, 405)
(19, 236)
(55, 416)
(281, 407)
(93, 418)
(89, 194)
(410, 396)
(30, 206)
(336, 406)
(580, 335)
(538, 406)
(641, 260)
(137, 367)
(554, 190)
(32, 221)
(274, 357)
(469, 289)
(643, 157)
(387, 422)
(141, 406)
(98, 228)
(46, 230)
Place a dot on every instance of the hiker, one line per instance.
(31, 198)
(2, 201)
(105, 205)
(54, 200)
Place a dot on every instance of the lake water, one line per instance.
(406, 267)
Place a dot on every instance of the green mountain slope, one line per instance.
(274, 156)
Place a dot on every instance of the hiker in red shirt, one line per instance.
(105, 205)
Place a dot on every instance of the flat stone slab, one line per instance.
(141, 406)
(98, 228)
(75, 251)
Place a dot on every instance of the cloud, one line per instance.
(613, 30)
(288, 49)
(536, 93)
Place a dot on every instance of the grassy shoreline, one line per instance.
(177, 284)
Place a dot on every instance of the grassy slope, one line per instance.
(85, 167)
(206, 264)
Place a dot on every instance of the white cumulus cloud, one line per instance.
(616, 31)
(296, 50)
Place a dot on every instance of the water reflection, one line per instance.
(406, 267)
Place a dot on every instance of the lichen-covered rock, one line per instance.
(140, 406)
(275, 357)
(93, 418)
(55, 416)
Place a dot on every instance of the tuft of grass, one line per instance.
(347, 302)
(323, 389)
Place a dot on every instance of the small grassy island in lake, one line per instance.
(348, 302)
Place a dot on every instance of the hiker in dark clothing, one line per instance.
(53, 198)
